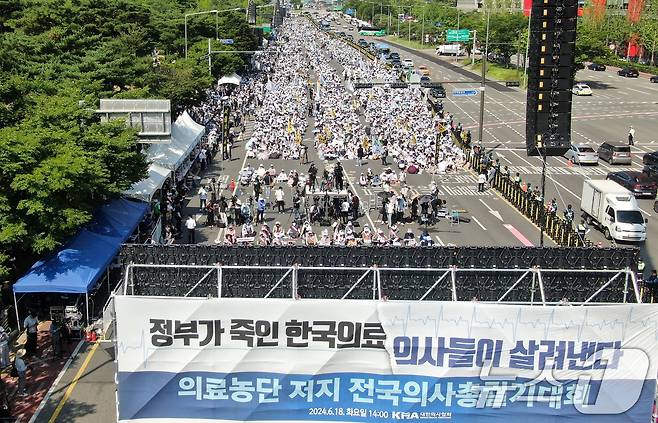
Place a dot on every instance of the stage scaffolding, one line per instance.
(531, 286)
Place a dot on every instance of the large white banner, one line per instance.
(203, 360)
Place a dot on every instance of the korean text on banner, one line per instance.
(203, 360)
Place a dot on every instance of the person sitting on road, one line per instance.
(366, 235)
(363, 181)
(426, 239)
(265, 236)
(325, 240)
(311, 239)
(294, 231)
(229, 236)
(248, 230)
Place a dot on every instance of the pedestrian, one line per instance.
(631, 136)
(338, 176)
(359, 156)
(4, 348)
(267, 183)
(278, 195)
(190, 224)
(482, 179)
(56, 338)
(652, 284)
(260, 210)
(312, 175)
(20, 371)
(384, 156)
(31, 323)
(203, 197)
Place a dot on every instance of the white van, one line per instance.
(614, 210)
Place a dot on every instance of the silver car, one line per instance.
(582, 154)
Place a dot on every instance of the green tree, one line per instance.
(648, 30)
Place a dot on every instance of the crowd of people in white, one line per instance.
(309, 76)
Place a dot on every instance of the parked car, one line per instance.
(582, 154)
(407, 63)
(582, 89)
(636, 182)
(424, 70)
(651, 171)
(628, 73)
(654, 79)
(596, 67)
(425, 79)
(615, 153)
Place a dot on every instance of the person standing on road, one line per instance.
(21, 372)
(359, 156)
(4, 348)
(31, 323)
(384, 156)
(631, 136)
(652, 284)
(338, 176)
(190, 224)
(482, 179)
(312, 175)
(278, 195)
(203, 197)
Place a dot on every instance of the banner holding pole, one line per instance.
(203, 360)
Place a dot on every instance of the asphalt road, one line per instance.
(616, 104)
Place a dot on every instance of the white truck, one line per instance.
(614, 210)
(449, 50)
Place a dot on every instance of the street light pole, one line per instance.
(216, 12)
(483, 82)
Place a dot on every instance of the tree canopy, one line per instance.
(57, 59)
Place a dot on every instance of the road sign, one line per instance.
(464, 93)
(458, 35)
(228, 41)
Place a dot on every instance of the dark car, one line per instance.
(596, 67)
(425, 78)
(655, 206)
(636, 182)
(628, 73)
(362, 42)
(437, 92)
(650, 158)
(615, 153)
(654, 79)
(650, 161)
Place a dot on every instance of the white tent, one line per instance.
(234, 79)
(185, 135)
(144, 189)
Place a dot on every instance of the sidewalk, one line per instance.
(42, 373)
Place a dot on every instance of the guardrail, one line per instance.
(558, 229)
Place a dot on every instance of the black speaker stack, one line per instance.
(251, 12)
(550, 76)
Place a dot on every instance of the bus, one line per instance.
(369, 30)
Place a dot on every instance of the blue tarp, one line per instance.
(81, 262)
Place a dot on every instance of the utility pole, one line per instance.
(527, 49)
(483, 82)
(422, 27)
(473, 50)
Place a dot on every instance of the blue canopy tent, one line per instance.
(78, 265)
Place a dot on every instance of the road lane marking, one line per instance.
(439, 240)
(637, 91)
(519, 235)
(74, 382)
(492, 211)
(478, 222)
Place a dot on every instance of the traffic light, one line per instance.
(550, 76)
